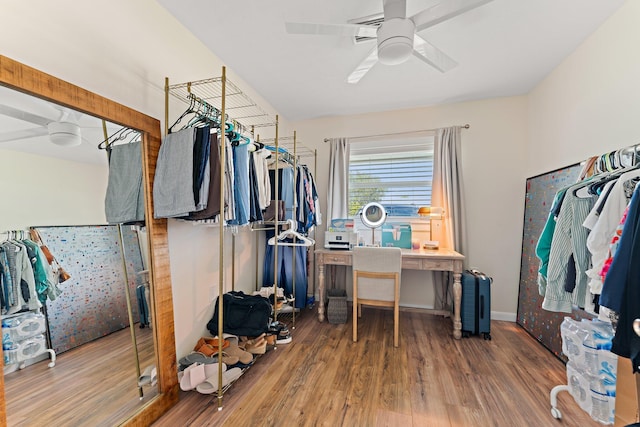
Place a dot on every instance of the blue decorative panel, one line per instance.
(93, 302)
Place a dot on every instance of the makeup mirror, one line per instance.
(75, 110)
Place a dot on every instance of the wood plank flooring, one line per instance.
(92, 385)
(322, 378)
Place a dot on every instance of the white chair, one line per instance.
(376, 281)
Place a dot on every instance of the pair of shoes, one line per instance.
(266, 291)
(283, 338)
(195, 357)
(197, 373)
(234, 350)
(148, 376)
(287, 308)
(210, 384)
(209, 346)
(257, 345)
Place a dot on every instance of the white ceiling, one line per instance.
(503, 48)
(45, 111)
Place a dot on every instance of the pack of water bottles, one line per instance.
(591, 369)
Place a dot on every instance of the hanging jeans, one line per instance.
(285, 273)
(241, 181)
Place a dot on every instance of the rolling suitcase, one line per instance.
(475, 309)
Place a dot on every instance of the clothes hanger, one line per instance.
(189, 110)
(290, 233)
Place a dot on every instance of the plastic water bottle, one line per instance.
(601, 405)
(10, 351)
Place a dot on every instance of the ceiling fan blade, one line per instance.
(22, 115)
(347, 30)
(443, 11)
(394, 8)
(362, 68)
(433, 56)
(23, 134)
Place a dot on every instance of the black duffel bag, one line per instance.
(243, 315)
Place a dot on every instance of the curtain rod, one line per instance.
(466, 126)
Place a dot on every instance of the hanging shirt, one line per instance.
(569, 239)
(621, 290)
(262, 177)
(543, 247)
(602, 232)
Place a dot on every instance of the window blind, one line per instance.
(397, 174)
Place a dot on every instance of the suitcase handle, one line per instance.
(482, 306)
(481, 274)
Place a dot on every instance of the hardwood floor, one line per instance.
(92, 385)
(323, 378)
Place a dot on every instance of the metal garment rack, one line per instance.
(289, 144)
(233, 106)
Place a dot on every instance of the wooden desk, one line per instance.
(434, 260)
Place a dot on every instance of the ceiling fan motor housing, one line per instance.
(395, 40)
(65, 134)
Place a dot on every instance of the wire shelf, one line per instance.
(238, 105)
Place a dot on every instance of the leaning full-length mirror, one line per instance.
(102, 336)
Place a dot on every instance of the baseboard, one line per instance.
(500, 315)
(495, 315)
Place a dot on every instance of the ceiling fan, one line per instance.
(396, 34)
(61, 132)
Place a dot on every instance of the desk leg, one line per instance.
(321, 292)
(457, 297)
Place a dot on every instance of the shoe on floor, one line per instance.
(283, 339)
(210, 385)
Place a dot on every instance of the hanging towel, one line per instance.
(173, 183)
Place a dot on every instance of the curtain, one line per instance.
(338, 198)
(448, 193)
(338, 189)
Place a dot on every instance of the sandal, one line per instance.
(256, 345)
(244, 357)
(213, 342)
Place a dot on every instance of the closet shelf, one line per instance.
(238, 105)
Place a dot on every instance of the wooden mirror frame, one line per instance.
(33, 82)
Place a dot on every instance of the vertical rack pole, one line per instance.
(277, 220)
(294, 249)
(222, 142)
(166, 106)
(315, 165)
(233, 259)
(256, 236)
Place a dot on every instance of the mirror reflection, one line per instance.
(82, 339)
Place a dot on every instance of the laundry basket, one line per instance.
(337, 307)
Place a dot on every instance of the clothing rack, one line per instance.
(224, 97)
(292, 151)
(609, 164)
(14, 234)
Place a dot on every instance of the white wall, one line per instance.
(591, 103)
(123, 50)
(492, 158)
(43, 191)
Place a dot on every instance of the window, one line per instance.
(395, 173)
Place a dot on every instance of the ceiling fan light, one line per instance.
(395, 41)
(395, 51)
(64, 134)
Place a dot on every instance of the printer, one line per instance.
(341, 235)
